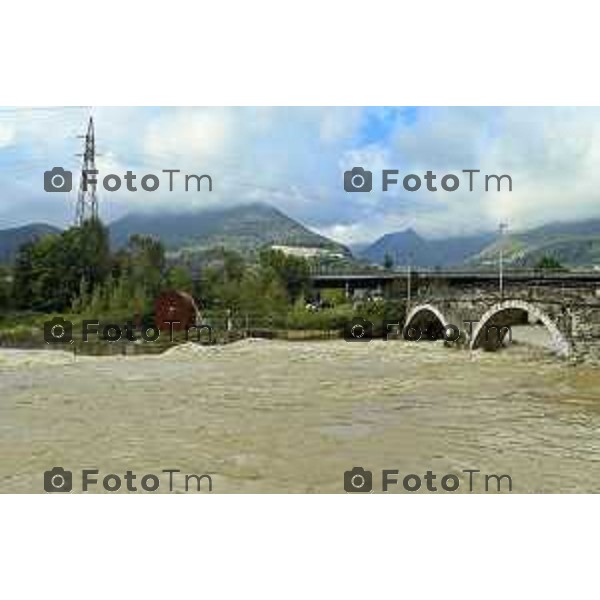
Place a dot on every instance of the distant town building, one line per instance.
(307, 251)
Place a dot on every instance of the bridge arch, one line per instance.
(425, 314)
(493, 317)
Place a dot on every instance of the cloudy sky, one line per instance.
(294, 159)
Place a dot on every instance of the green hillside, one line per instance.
(571, 244)
(243, 228)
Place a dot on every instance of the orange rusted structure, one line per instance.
(175, 309)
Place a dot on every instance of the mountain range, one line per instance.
(243, 228)
(574, 244)
(246, 228)
(404, 247)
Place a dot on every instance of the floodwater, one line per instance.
(270, 416)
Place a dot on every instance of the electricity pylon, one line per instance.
(87, 201)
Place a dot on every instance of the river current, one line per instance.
(270, 416)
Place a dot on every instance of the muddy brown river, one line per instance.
(268, 416)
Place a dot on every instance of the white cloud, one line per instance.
(339, 123)
(192, 136)
(295, 159)
(7, 133)
(551, 155)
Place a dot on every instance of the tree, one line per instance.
(179, 278)
(220, 283)
(145, 265)
(45, 274)
(5, 288)
(51, 272)
(292, 271)
(549, 263)
(23, 276)
(94, 248)
(134, 277)
(233, 266)
(388, 261)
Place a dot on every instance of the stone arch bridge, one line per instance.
(567, 304)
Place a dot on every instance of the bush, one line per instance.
(327, 319)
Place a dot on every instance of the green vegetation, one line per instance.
(50, 272)
(136, 277)
(549, 263)
(388, 262)
(5, 287)
(73, 274)
(12, 239)
(272, 286)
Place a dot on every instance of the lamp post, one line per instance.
(408, 282)
(503, 227)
